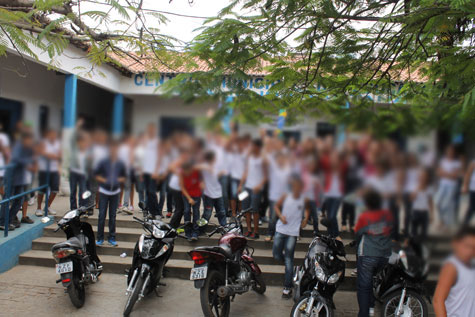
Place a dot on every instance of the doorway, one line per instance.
(10, 114)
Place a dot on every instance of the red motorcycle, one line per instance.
(221, 272)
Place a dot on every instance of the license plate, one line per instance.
(65, 267)
(198, 273)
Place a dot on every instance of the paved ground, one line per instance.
(32, 291)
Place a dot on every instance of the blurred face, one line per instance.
(450, 152)
(296, 186)
(27, 142)
(464, 249)
(52, 135)
(151, 131)
(113, 149)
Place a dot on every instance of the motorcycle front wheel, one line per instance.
(211, 304)
(319, 309)
(414, 305)
(134, 295)
(260, 286)
(76, 292)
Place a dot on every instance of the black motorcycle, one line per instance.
(77, 260)
(400, 284)
(318, 278)
(151, 253)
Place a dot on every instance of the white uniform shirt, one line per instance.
(212, 186)
(255, 171)
(150, 156)
(292, 209)
(278, 179)
(51, 148)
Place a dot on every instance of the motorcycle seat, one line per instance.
(217, 249)
(71, 243)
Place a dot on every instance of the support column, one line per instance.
(118, 116)
(69, 122)
(70, 101)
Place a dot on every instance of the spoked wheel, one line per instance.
(211, 303)
(76, 292)
(260, 286)
(319, 309)
(134, 295)
(413, 306)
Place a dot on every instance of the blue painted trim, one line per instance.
(70, 100)
(118, 115)
(19, 241)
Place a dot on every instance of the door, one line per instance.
(169, 125)
(10, 114)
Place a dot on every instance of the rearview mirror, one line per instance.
(142, 205)
(202, 222)
(243, 195)
(86, 194)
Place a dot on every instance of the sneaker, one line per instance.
(371, 311)
(51, 212)
(112, 242)
(16, 222)
(131, 208)
(260, 221)
(194, 238)
(39, 213)
(90, 212)
(268, 239)
(10, 228)
(189, 239)
(31, 201)
(247, 234)
(286, 293)
(26, 220)
(100, 243)
(354, 272)
(127, 210)
(254, 236)
(169, 214)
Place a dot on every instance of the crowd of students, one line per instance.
(289, 183)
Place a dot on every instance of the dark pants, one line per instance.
(312, 204)
(187, 214)
(224, 181)
(394, 209)
(140, 188)
(110, 202)
(179, 207)
(264, 201)
(162, 187)
(283, 250)
(407, 212)
(218, 205)
(15, 206)
(76, 180)
(272, 219)
(348, 214)
(151, 191)
(367, 267)
(331, 206)
(420, 223)
(471, 208)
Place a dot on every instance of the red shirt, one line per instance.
(192, 183)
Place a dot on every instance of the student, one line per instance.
(373, 234)
(238, 163)
(455, 293)
(469, 187)
(150, 169)
(49, 150)
(125, 154)
(422, 206)
(279, 173)
(190, 184)
(110, 174)
(78, 166)
(97, 153)
(213, 194)
(253, 180)
(292, 211)
(22, 157)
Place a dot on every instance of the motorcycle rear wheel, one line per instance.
(320, 309)
(134, 295)
(210, 301)
(414, 306)
(76, 292)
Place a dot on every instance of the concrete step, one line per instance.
(273, 274)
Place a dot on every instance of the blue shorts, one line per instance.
(234, 188)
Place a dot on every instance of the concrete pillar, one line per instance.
(118, 115)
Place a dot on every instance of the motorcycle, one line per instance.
(77, 261)
(152, 252)
(221, 272)
(399, 285)
(315, 282)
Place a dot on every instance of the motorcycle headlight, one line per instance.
(334, 278)
(319, 273)
(403, 258)
(158, 233)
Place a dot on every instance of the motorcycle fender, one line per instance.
(250, 261)
(67, 279)
(145, 270)
(199, 283)
(390, 290)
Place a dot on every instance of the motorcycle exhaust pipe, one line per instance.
(225, 291)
